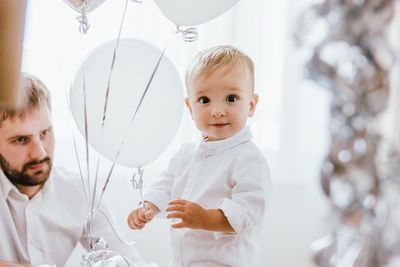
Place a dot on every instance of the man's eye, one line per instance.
(231, 98)
(47, 132)
(20, 140)
(204, 100)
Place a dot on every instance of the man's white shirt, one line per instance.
(46, 229)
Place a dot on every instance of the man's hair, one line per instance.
(35, 95)
(216, 57)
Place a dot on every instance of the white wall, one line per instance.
(294, 110)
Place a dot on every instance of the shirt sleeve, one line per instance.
(159, 193)
(104, 226)
(250, 194)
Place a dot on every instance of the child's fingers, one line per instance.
(178, 202)
(179, 225)
(177, 215)
(175, 208)
(138, 222)
(137, 227)
(149, 214)
(134, 220)
(132, 224)
(142, 214)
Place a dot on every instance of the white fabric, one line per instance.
(231, 175)
(46, 229)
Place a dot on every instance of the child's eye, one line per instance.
(204, 100)
(231, 98)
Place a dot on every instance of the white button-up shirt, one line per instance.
(231, 175)
(46, 228)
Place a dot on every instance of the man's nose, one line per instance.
(218, 110)
(37, 150)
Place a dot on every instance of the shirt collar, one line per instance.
(48, 186)
(7, 186)
(211, 148)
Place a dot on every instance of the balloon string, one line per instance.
(73, 137)
(83, 20)
(112, 64)
(131, 122)
(109, 83)
(106, 99)
(86, 128)
(138, 185)
(80, 169)
(76, 152)
(87, 153)
(114, 230)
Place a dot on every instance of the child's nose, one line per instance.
(217, 111)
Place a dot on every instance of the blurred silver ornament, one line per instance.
(352, 58)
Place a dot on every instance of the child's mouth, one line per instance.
(219, 125)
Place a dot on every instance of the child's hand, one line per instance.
(140, 216)
(192, 215)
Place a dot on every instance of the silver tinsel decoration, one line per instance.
(361, 175)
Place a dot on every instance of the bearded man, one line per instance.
(43, 210)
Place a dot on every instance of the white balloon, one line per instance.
(193, 12)
(159, 116)
(88, 5)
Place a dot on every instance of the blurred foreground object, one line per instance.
(352, 57)
(12, 18)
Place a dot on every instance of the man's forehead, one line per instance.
(26, 124)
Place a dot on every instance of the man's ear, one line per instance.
(188, 105)
(253, 104)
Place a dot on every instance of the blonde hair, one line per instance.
(216, 57)
(35, 94)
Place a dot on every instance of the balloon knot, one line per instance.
(188, 34)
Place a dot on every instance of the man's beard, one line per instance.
(21, 177)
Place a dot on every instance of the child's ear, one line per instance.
(253, 104)
(188, 105)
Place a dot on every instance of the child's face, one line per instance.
(221, 102)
